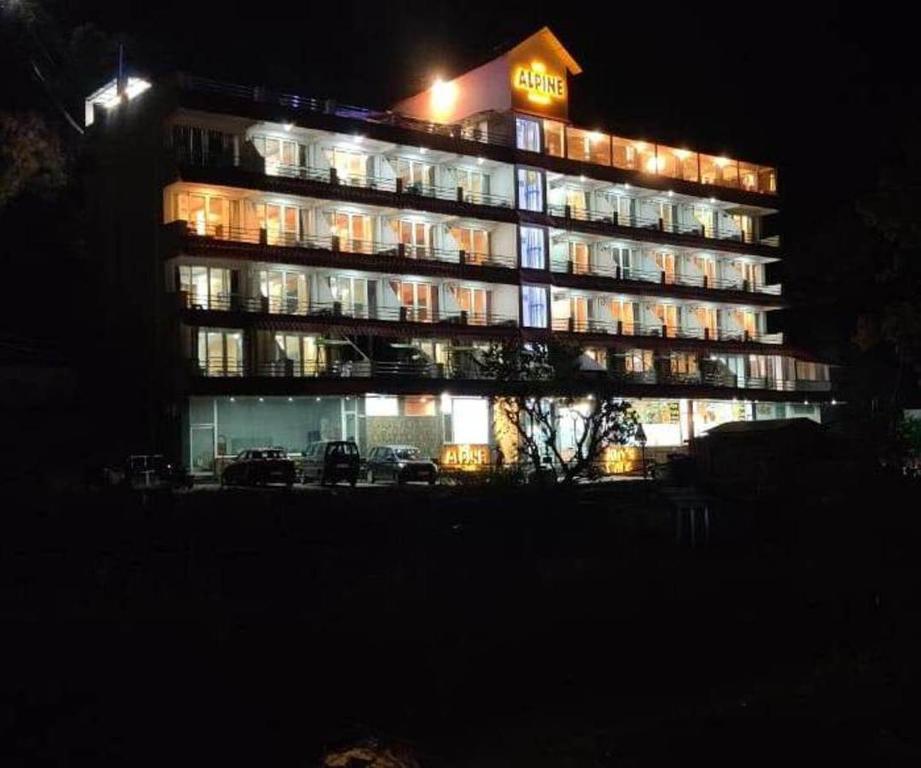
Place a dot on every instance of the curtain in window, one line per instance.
(532, 248)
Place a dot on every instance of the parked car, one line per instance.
(260, 466)
(401, 464)
(329, 461)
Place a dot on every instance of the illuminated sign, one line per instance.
(540, 86)
(464, 456)
(621, 459)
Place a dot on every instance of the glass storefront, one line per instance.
(220, 427)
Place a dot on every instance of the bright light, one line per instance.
(108, 95)
(423, 150)
(444, 96)
(682, 154)
(671, 193)
(595, 136)
(655, 164)
(722, 162)
(357, 139)
(713, 200)
(288, 127)
(479, 161)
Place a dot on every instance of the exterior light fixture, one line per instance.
(834, 402)
(357, 139)
(626, 186)
(444, 95)
(479, 161)
(288, 127)
(713, 200)
(582, 177)
(261, 399)
(671, 193)
(233, 399)
(290, 399)
(423, 150)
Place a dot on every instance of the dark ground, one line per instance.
(507, 629)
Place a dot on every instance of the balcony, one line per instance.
(620, 328)
(337, 311)
(331, 178)
(348, 246)
(294, 370)
(660, 277)
(648, 224)
(590, 147)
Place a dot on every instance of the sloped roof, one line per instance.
(553, 42)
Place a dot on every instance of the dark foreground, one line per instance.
(495, 629)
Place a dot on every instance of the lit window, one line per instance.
(532, 247)
(381, 406)
(534, 306)
(419, 406)
(527, 134)
(530, 190)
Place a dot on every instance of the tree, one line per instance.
(543, 384)
(31, 157)
(370, 753)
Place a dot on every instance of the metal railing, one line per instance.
(337, 309)
(341, 369)
(605, 150)
(493, 135)
(612, 218)
(662, 277)
(347, 245)
(620, 328)
(331, 176)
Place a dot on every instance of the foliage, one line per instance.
(544, 383)
(370, 754)
(31, 157)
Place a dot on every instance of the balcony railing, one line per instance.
(332, 177)
(664, 278)
(612, 218)
(342, 369)
(337, 309)
(620, 328)
(586, 146)
(494, 135)
(346, 245)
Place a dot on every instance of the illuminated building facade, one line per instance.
(299, 269)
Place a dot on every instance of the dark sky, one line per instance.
(812, 89)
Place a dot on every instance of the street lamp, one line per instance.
(641, 439)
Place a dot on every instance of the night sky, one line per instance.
(824, 92)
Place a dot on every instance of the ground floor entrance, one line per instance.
(463, 430)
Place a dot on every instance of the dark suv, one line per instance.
(400, 463)
(260, 466)
(330, 461)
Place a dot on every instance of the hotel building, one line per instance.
(286, 269)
